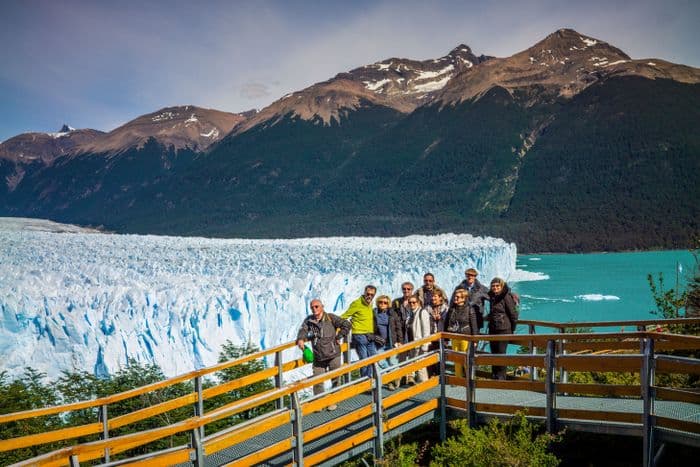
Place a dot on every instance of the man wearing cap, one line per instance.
(478, 294)
(325, 331)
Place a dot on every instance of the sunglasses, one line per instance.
(406, 288)
(382, 302)
(412, 301)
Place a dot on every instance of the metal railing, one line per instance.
(553, 364)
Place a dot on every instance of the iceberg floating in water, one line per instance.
(78, 300)
(596, 297)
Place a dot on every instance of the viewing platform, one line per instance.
(299, 430)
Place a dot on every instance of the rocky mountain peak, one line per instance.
(179, 126)
(399, 83)
(27, 148)
(561, 65)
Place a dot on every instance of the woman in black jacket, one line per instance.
(387, 324)
(502, 320)
(461, 319)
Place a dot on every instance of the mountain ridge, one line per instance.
(404, 146)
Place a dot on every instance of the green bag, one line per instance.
(308, 355)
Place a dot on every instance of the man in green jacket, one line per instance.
(361, 315)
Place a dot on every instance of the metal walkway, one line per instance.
(525, 399)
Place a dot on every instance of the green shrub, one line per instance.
(515, 443)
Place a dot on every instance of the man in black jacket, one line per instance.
(325, 331)
(478, 294)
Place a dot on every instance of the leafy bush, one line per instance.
(515, 443)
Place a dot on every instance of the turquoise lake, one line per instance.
(597, 286)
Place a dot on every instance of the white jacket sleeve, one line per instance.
(425, 327)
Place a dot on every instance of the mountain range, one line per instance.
(569, 145)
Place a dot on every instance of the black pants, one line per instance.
(498, 347)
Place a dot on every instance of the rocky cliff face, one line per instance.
(561, 65)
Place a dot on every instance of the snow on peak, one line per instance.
(423, 75)
(374, 86)
(91, 301)
(213, 133)
(383, 66)
(164, 116)
(432, 85)
(65, 129)
(588, 42)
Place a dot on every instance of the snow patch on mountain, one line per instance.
(90, 301)
(374, 86)
(588, 42)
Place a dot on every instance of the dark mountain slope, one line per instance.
(618, 168)
(263, 182)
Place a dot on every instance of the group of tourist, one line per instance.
(412, 316)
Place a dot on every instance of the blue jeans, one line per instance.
(364, 349)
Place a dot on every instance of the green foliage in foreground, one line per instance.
(514, 443)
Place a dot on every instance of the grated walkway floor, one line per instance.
(676, 410)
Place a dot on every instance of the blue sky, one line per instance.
(98, 64)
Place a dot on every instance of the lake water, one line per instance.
(597, 286)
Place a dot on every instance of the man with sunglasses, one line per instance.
(361, 315)
(478, 294)
(404, 314)
(325, 332)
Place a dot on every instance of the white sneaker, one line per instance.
(332, 407)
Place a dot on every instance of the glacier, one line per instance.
(76, 299)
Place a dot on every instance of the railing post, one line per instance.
(550, 388)
(648, 402)
(470, 374)
(443, 397)
(279, 378)
(74, 461)
(533, 350)
(563, 374)
(199, 403)
(346, 360)
(297, 431)
(105, 428)
(197, 446)
(641, 328)
(378, 415)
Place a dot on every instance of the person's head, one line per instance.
(414, 302)
(383, 302)
(497, 285)
(460, 296)
(471, 274)
(428, 280)
(407, 289)
(436, 300)
(316, 308)
(370, 292)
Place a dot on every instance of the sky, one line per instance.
(98, 64)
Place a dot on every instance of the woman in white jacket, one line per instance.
(420, 325)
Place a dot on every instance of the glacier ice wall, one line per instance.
(89, 301)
